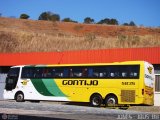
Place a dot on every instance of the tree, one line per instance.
(132, 23)
(108, 21)
(88, 20)
(69, 20)
(113, 22)
(49, 16)
(24, 16)
(104, 21)
(125, 24)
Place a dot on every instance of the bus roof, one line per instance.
(85, 64)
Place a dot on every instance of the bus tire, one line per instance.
(111, 101)
(19, 97)
(96, 100)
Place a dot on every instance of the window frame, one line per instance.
(89, 69)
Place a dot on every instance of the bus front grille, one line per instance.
(128, 95)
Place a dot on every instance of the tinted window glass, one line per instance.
(122, 71)
(108, 72)
(13, 72)
(78, 72)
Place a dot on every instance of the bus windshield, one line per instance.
(12, 78)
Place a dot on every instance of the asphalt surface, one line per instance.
(11, 110)
(2, 84)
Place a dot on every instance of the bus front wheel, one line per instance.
(19, 97)
(96, 100)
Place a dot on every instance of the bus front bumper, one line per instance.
(8, 94)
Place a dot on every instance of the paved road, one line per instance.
(54, 111)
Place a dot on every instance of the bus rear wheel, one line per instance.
(19, 97)
(96, 100)
(111, 101)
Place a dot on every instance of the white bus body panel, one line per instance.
(149, 75)
(30, 93)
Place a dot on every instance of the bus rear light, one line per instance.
(142, 91)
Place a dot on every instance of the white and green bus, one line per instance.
(120, 83)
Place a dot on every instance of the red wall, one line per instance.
(84, 56)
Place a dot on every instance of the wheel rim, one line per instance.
(19, 97)
(96, 101)
(111, 102)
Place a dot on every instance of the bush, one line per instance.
(24, 16)
(88, 20)
(69, 20)
(49, 16)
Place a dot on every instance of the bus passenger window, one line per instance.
(71, 73)
(47, 73)
(124, 74)
(38, 73)
(53, 72)
(58, 74)
(101, 74)
(90, 72)
(84, 72)
(112, 75)
(135, 74)
(76, 74)
(65, 72)
(95, 74)
(116, 74)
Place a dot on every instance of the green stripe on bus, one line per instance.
(40, 87)
(52, 87)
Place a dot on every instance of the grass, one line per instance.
(23, 41)
(42, 36)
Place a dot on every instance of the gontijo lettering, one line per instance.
(80, 82)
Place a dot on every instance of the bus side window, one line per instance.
(112, 74)
(47, 73)
(84, 72)
(38, 72)
(101, 75)
(65, 72)
(70, 73)
(96, 74)
(59, 72)
(27, 72)
(90, 72)
(133, 74)
(53, 72)
(77, 72)
(124, 74)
